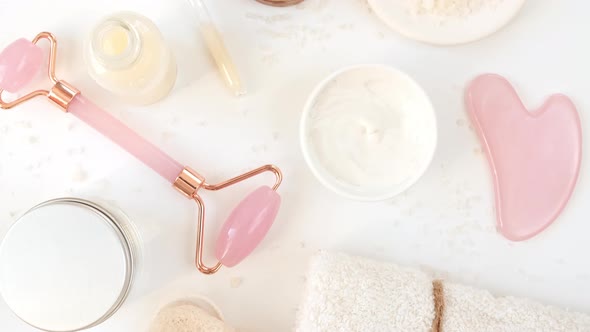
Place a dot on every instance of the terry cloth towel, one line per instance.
(350, 294)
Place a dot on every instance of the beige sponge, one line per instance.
(187, 317)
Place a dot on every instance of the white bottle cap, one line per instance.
(66, 265)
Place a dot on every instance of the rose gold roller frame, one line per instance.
(62, 93)
(188, 182)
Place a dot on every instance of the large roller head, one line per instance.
(247, 226)
(19, 64)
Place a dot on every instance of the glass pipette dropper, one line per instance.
(217, 48)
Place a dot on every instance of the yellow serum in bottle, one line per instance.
(127, 55)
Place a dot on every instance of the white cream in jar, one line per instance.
(369, 132)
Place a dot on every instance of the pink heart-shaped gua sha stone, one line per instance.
(535, 156)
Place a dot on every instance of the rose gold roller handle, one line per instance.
(126, 138)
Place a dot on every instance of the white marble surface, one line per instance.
(444, 223)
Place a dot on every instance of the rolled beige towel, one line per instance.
(351, 294)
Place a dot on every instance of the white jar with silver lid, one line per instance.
(68, 264)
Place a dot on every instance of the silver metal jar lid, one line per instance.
(66, 265)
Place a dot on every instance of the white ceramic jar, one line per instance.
(127, 55)
(368, 132)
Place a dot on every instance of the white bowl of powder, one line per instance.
(446, 22)
(368, 132)
(197, 314)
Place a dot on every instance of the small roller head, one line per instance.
(19, 64)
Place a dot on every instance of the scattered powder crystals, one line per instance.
(450, 8)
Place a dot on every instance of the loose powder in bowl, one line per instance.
(187, 317)
(369, 132)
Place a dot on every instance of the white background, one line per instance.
(444, 223)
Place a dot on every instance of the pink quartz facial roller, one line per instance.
(247, 224)
(535, 156)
